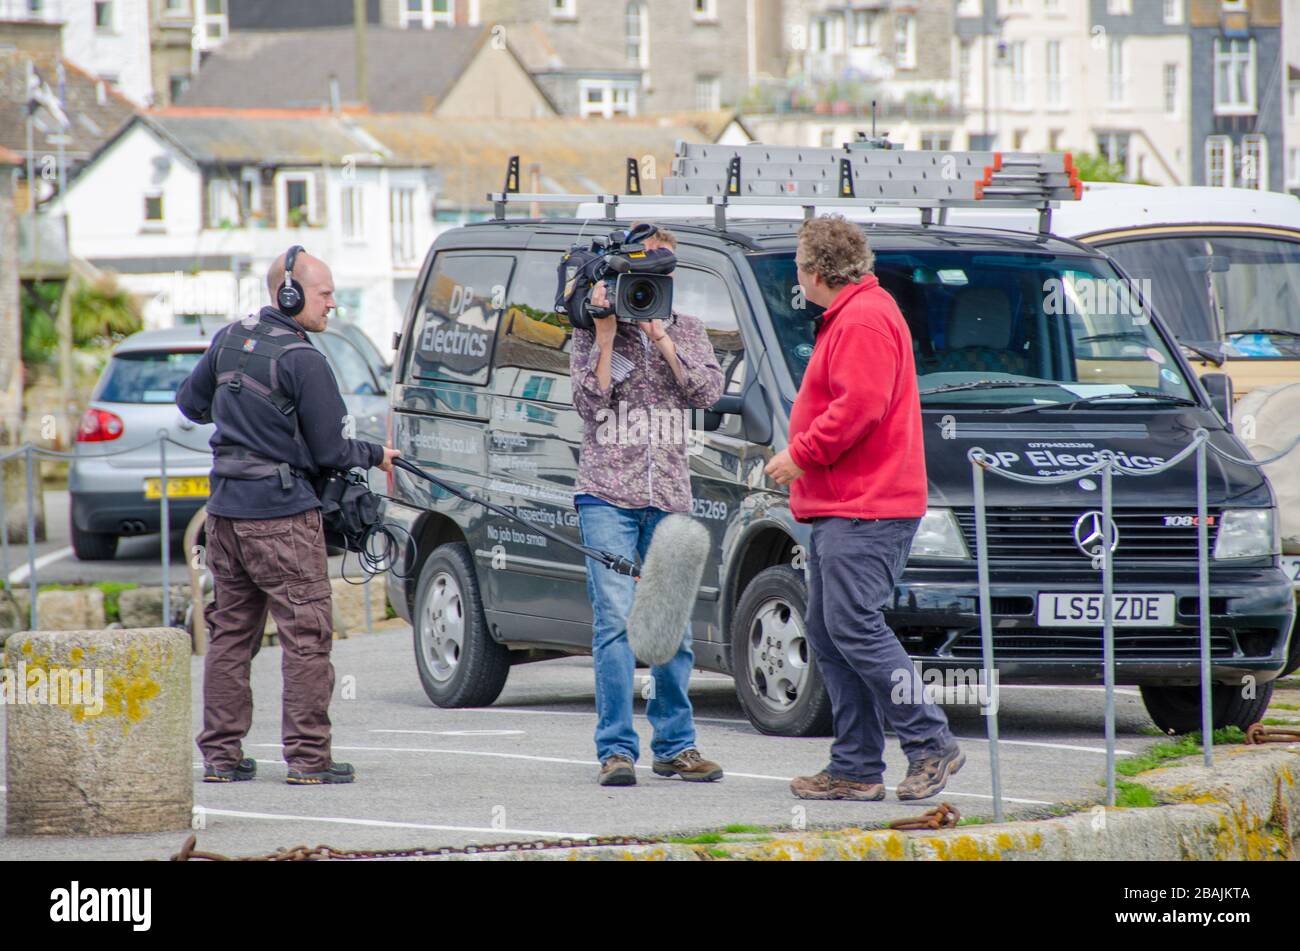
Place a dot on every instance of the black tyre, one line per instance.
(776, 678)
(1177, 710)
(92, 546)
(459, 663)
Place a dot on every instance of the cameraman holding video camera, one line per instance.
(627, 367)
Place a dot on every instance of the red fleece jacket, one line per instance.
(855, 428)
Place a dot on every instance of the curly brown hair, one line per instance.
(835, 249)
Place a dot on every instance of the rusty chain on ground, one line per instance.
(1258, 734)
(942, 816)
(326, 853)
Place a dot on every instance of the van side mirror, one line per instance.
(752, 408)
(1218, 386)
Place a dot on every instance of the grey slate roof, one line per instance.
(408, 70)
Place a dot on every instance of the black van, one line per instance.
(1014, 357)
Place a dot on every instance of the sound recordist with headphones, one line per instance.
(279, 421)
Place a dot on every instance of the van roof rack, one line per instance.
(859, 174)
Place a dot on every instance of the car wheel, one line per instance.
(93, 546)
(777, 680)
(1177, 710)
(459, 663)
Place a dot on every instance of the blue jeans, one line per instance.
(627, 532)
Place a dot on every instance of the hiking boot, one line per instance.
(928, 775)
(334, 773)
(617, 771)
(826, 786)
(690, 766)
(244, 770)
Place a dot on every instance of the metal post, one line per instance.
(31, 535)
(365, 593)
(1203, 591)
(166, 532)
(1108, 623)
(986, 630)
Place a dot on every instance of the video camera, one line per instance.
(638, 281)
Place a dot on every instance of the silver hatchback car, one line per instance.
(115, 479)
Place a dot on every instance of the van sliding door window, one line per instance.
(459, 312)
(704, 294)
(532, 356)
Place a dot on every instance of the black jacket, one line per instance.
(247, 420)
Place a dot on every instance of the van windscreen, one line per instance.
(1001, 329)
(1243, 290)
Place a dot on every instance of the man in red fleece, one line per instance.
(856, 470)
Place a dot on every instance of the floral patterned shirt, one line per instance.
(637, 432)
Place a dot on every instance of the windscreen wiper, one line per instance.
(983, 385)
(1102, 397)
(1214, 356)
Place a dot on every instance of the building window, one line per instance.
(1218, 161)
(176, 86)
(1055, 84)
(297, 200)
(706, 10)
(1119, 8)
(213, 24)
(352, 213)
(402, 212)
(176, 8)
(1019, 74)
(427, 14)
(250, 196)
(970, 8)
(1234, 76)
(1171, 88)
(1293, 167)
(1173, 12)
(905, 41)
(564, 9)
(636, 34)
(1116, 72)
(866, 28)
(964, 74)
(1254, 162)
(1114, 147)
(936, 141)
(153, 210)
(605, 98)
(708, 93)
(104, 16)
(223, 203)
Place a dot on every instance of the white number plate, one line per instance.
(1085, 610)
(1291, 567)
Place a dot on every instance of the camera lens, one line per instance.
(643, 295)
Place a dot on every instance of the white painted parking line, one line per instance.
(580, 713)
(1045, 745)
(23, 571)
(457, 732)
(592, 762)
(387, 824)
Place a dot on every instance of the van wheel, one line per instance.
(459, 663)
(776, 678)
(1177, 710)
(93, 546)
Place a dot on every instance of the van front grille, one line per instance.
(1146, 536)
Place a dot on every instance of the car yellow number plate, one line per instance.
(178, 487)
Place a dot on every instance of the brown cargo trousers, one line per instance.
(275, 564)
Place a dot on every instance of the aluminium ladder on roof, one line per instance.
(723, 176)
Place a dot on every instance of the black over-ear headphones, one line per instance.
(290, 297)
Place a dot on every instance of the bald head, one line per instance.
(317, 285)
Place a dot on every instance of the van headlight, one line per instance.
(1247, 533)
(939, 536)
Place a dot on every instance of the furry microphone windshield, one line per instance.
(665, 595)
